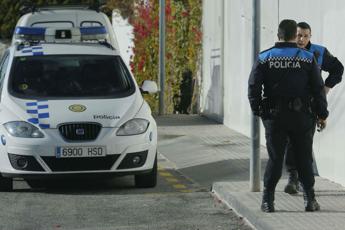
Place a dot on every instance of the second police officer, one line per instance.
(327, 62)
(280, 86)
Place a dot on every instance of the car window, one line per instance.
(72, 76)
(54, 24)
(90, 23)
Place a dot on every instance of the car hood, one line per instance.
(51, 113)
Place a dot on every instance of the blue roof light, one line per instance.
(76, 34)
(93, 30)
(30, 30)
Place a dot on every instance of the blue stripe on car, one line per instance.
(42, 107)
(33, 120)
(31, 111)
(38, 110)
(43, 115)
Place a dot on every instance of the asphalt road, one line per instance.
(176, 203)
(181, 200)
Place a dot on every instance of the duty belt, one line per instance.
(296, 104)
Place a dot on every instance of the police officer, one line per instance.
(288, 76)
(327, 62)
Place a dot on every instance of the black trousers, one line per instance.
(290, 159)
(296, 128)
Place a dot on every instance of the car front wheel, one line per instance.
(148, 180)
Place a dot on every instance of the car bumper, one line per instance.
(77, 175)
(43, 163)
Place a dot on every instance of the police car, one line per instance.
(70, 106)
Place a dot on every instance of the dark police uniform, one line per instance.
(288, 76)
(326, 62)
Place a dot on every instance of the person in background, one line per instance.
(326, 62)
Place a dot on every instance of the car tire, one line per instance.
(147, 180)
(6, 184)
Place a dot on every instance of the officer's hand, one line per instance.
(321, 124)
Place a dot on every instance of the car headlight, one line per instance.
(23, 129)
(133, 127)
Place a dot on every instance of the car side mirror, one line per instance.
(149, 87)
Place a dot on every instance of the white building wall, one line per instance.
(124, 35)
(325, 18)
(211, 100)
(237, 59)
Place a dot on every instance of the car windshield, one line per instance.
(56, 76)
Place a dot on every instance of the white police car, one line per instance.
(70, 106)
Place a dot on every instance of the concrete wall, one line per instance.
(211, 99)
(228, 27)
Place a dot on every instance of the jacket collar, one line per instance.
(285, 44)
(308, 45)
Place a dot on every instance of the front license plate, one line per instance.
(80, 151)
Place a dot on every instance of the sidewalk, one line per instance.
(214, 143)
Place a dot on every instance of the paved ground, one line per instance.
(115, 204)
(217, 149)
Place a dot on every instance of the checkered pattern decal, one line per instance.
(34, 50)
(39, 111)
(287, 54)
(308, 60)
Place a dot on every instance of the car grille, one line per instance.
(80, 131)
(80, 164)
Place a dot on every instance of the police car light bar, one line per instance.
(93, 30)
(93, 33)
(30, 33)
(82, 34)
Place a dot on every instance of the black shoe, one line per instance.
(267, 204)
(310, 202)
(300, 187)
(267, 207)
(312, 206)
(292, 185)
(291, 188)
